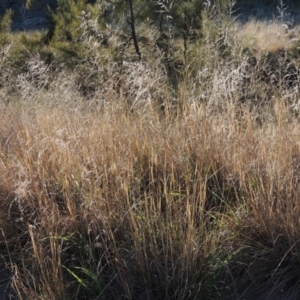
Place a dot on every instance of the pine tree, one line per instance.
(65, 22)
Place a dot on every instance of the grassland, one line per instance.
(121, 181)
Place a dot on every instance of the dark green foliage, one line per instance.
(83, 31)
(66, 21)
(5, 22)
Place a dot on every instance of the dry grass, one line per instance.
(264, 37)
(135, 205)
(139, 190)
(119, 194)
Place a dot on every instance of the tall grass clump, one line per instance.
(173, 176)
(92, 217)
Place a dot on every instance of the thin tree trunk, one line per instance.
(133, 32)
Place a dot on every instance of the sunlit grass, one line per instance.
(121, 181)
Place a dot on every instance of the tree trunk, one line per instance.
(133, 32)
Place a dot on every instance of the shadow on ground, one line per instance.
(6, 291)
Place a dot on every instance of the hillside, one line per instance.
(286, 10)
(33, 17)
